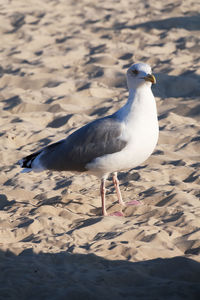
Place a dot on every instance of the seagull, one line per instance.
(107, 145)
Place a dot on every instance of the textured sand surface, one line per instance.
(63, 64)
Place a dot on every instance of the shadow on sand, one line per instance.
(186, 22)
(77, 276)
(185, 85)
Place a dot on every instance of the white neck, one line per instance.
(140, 99)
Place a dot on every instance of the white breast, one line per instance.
(140, 130)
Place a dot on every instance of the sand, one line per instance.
(63, 64)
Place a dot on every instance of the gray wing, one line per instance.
(93, 140)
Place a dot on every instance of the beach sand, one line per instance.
(62, 65)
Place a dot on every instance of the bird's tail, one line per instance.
(34, 161)
(27, 162)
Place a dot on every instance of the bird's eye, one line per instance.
(135, 72)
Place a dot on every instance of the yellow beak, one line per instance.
(151, 78)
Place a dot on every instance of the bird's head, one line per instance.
(139, 74)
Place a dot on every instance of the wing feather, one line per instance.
(100, 137)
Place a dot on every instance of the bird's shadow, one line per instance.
(5, 203)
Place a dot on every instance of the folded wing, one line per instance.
(98, 138)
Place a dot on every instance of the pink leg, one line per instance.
(103, 200)
(116, 185)
(103, 196)
(119, 196)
